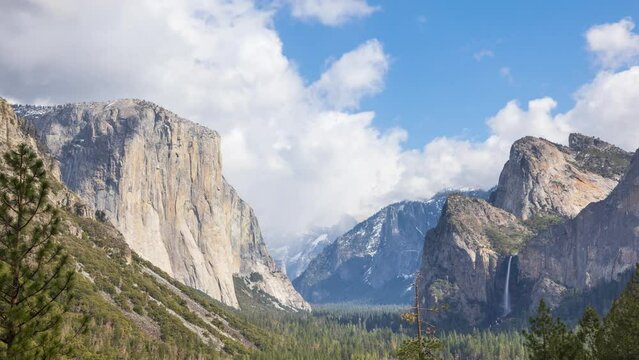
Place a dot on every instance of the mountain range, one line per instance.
(155, 229)
(374, 262)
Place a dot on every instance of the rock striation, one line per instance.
(598, 246)
(462, 256)
(158, 179)
(544, 178)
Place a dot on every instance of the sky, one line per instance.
(329, 108)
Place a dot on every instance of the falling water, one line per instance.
(506, 291)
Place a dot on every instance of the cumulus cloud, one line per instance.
(461, 163)
(331, 12)
(608, 107)
(287, 147)
(614, 44)
(356, 74)
(302, 155)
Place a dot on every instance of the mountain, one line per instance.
(462, 255)
(600, 245)
(299, 250)
(543, 178)
(158, 179)
(136, 310)
(467, 256)
(375, 262)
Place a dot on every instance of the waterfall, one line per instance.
(506, 289)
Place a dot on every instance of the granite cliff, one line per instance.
(465, 258)
(462, 256)
(598, 246)
(544, 178)
(158, 179)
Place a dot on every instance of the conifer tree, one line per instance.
(426, 346)
(587, 332)
(549, 339)
(619, 338)
(35, 275)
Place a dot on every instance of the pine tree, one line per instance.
(619, 338)
(426, 346)
(587, 332)
(549, 339)
(35, 275)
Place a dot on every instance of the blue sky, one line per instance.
(436, 85)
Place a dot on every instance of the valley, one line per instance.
(559, 226)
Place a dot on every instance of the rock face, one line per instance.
(461, 258)
(158, 178)
(545, 178)
(376, 261)
(465, 257)
(597, 246)
(15, 131)
(11, 128)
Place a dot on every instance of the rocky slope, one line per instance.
(546, 178)
(598, 246)
(158, 178)
(376, 261)
(462, 256)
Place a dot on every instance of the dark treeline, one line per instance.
(614, 337)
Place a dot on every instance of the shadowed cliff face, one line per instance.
(599, 245)
(159, 179)
(545, 178)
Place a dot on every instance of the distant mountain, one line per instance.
(374, 262)
(300, 249)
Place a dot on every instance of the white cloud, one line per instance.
(331, 12)
(462, 163)
(483, 53)
(614, 44)
(356, 74)
(608, 107)
(287, 148)
(300, 154)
